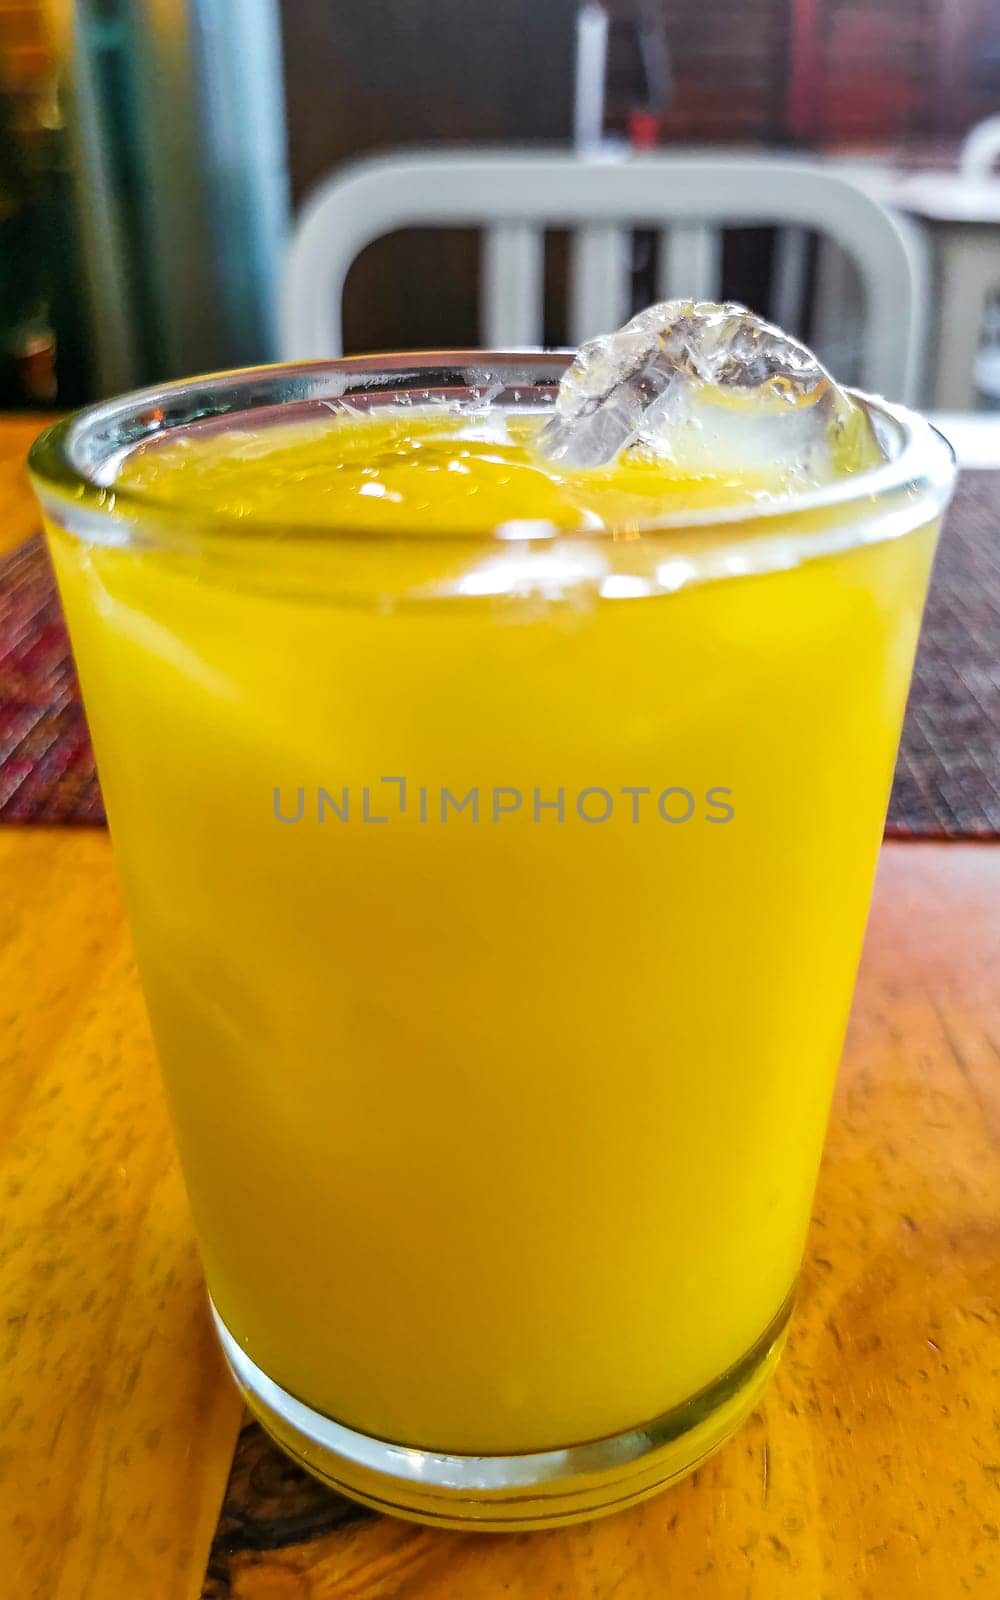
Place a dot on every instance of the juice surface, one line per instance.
(397, 470)
(500, 1126)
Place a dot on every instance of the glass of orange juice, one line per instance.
(497, 841)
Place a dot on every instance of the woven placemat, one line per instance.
(46, 763)
(947, 780)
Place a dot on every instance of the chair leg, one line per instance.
(789, 279)
(837, 325)
(967, 270)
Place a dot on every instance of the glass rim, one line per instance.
(924, 464)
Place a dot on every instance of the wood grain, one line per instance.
(873, 1468)
(117, 1425)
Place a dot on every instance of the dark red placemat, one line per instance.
(947, 781)
(46, 765)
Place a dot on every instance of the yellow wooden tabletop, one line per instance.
(871, 1470)
(18, 511)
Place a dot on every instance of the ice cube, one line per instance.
(710, 388)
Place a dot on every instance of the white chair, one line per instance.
(515, 195)
(981, 149)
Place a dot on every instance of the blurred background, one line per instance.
(155, 155)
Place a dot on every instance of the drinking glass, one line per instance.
(497, 898)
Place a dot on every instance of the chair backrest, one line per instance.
(981, 149)
(515, 195)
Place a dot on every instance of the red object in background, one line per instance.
(643, 129)
(856, 69)
(905, 75)
(805, 69)
(870, 92)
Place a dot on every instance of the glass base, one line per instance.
(545, 1488)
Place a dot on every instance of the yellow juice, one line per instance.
(500, 1121)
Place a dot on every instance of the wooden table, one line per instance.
(18, 511)
(871, 1470)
